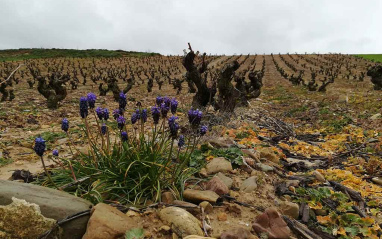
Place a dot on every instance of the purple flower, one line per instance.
(144, 115)
(124, 136)
(203, 130)
(173, 126)
(116, 113)
(65, 125)
(122, 101)
(159, 100)
(39, 146)
(135, 117)
(174, 105)
(55, 152)
(84, 107)
(181, 141)
(194, 117)
(155, 112)
(91, 97)
(103, 129)
(167, 101)
(121, 122)
(105, 114)
(164, 110)
(99, 112)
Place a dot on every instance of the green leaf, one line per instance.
(134, 233)
(352, 230)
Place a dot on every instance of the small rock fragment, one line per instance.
(168, 197)
(198, 196)
(219, 164)
(264, 167)
(181, 222)
(222, 216)
(290, 209)
(226, 180)
(249, 185)
(217, 185)
(207, 207)
(271, 223)
(318, 176)
(377, 180)
(165, 230)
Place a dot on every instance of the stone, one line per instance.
(222, 216)
(319, 176)
(203, 172)
(108, 222)
(168, 197)
(264, 167)
(249, 185)
(207, 207)
(377, 180)
(269, 154)
(181, 222)
(53, 204)
(234, 209)
(165, 230)
(217, 185)
(253, 154)
(21, 219)
(198, 237)
(222, 142)
(271, 223)
(198, 196)
(132, 213)
(290, 209)
(219, 164)
(376, 116)
(237, 233)
(306, 163)
(226, 180)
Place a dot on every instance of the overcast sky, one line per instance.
(213, 26)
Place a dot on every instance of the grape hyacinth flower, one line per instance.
(159, 100)
(174, 105)
(105, 114)
(203, 130)
(144, 115)
(65, 125)
(181, 141)
(116, 113)
(103, 129)
(121, 122)
(122, 101)
(167, 101)
(39, 146)
(84, 110)
(55, 152)
(155, 112)
(164, 110)
(100, 113)
(124, 136)
(135, 117)
(91, 97)
(194, 117)
(173, 126)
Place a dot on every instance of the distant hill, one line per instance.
(372, 57)
(35, 53)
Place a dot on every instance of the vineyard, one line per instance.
(263, 146)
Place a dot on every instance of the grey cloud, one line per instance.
(214, 26)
